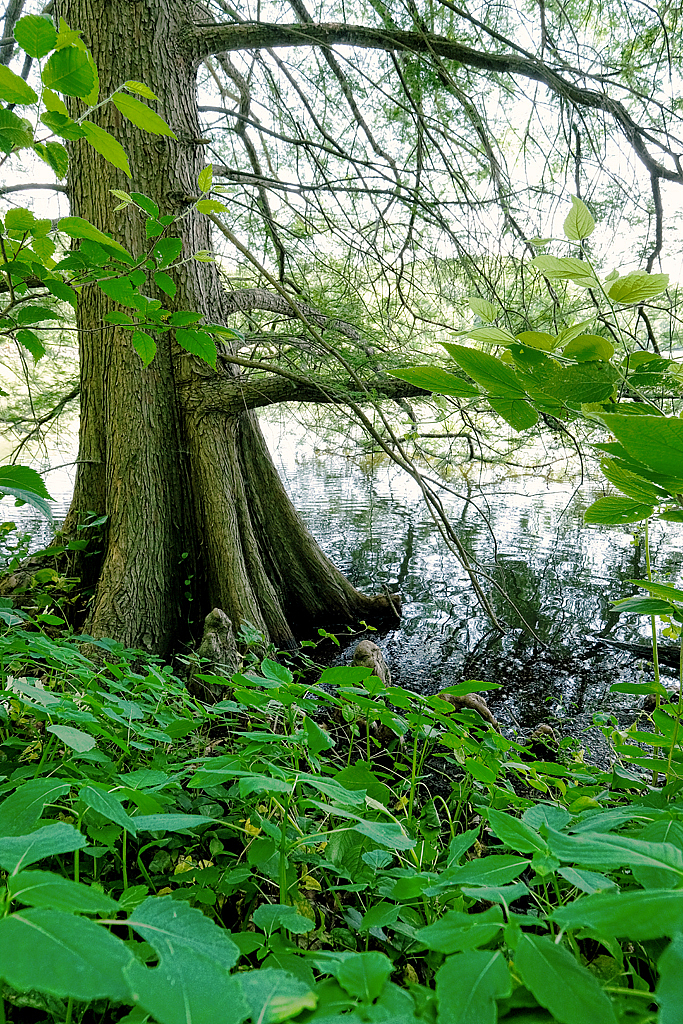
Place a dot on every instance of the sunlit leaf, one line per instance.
(141, 115)
(579, 223)
(69, 71)
(35, 34)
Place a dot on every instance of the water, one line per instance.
(526, 532)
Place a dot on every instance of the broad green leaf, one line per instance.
(25, 479)
(141, 115)
(169, 822)
(642, 606)
(69, 71)
(13, 131)
(656, 441)
(634, 486)
(467, 987)
(45, 889)
(20, 812)
(579, 223)
(108, 806)
(519, 414)
(275, 995)
(614, 851)
(205, 178)
(192, 984)
(106, 145)
(198, 343)
(490, 336)
(141, 89)
(538, 339)
(145, 346)
(456, 931)
(379, 916)
(166, 250)
(500, 380)
(17, 852)
(640, 915)
(19, 220)
(145, 203)
(566, 268)
(433, 378)
(613, 511)
(14, 89)
(211, 206)
(638, 287)
(76, 739)
(669, 991)
(35, 34)
(661, 590)
(386, 833)
(53, 102)
(121, 290)
(62, 954)
(664, 831)
(278, 915)
(54, 154)
(514, 833)
(76, 227)
(364, 975)
(484, 309)
(546, 814)
(503, 894)
(165, 282)
(35, 314)
(496, 869)
(561, 984)
(587, 881)
(588, 347)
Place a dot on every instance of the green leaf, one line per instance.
(587, 881)
(205, 179)
(76, 227)
(165, 282)
(35, 34)
(538, 339)
(662, 590)
(656, 441)
(192, 984)
(54, 103)
(64, 955)
(467, 986)
(14, 89)
(211, 206)
(588, 347)
(69, 71)
(490, 336)
(514, 833)
(500, 380)
(433, 378)
(634, 486)
(141, 89)
(364, 975)
(169, 822)
(567, 268)
(61, 290)
(640, 915)
(571, 993)
(389, 834)
(45, 889)
(145, 346)
(637, 287)
(379, 916)
(25, 484)
(108, 806)
(274, 995)
(613, 511)
(141, 115)
(642, 606)
(106, 145)
(121, 290)
(199, 343)
(31, 342)
(73, 738)
(19, 220)
(579, 223)
(54, 154)
(456, 931)
(614, 851)
(13, 131)
(20, 812)
(269, 916)
(669, 991)
(496, 869)
(17, 852)
(519, 414)
(486, 310)
(166, 250)
(145, 203)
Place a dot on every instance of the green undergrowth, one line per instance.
(342, 850)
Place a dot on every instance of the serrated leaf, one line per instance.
(192, 984)
(76, 739)
(467, 987)
(579, 223)
(565, 268)
(166, 250)
(638, 287)
(145, 346)
(211, 206)
(62, 125)
(77, 227)
(538, 339)
(13, 131)
(17, 852)
(35, 34)
(165, 282)
(141, 89)
(275, 995)
(615, 511)
(519, 414)
(55, 155)
(145, 203)
(484, 309)
(141, 115)
(561, 984)
(32, 343)
(436, 380)
(198, 343)
(628, 483)
(586, 347)
(14, 89)
(52, 102)
(491, 335)
(46, 889)
(203, 256)
(69, 71)
(107, 146)
(656, 441)
(63, 955)
(25, 479)
(205, 178)
(499, 380)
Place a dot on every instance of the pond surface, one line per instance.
(526, 531)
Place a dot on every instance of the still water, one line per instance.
(525, 531)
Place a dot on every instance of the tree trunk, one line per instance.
(197, 516)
